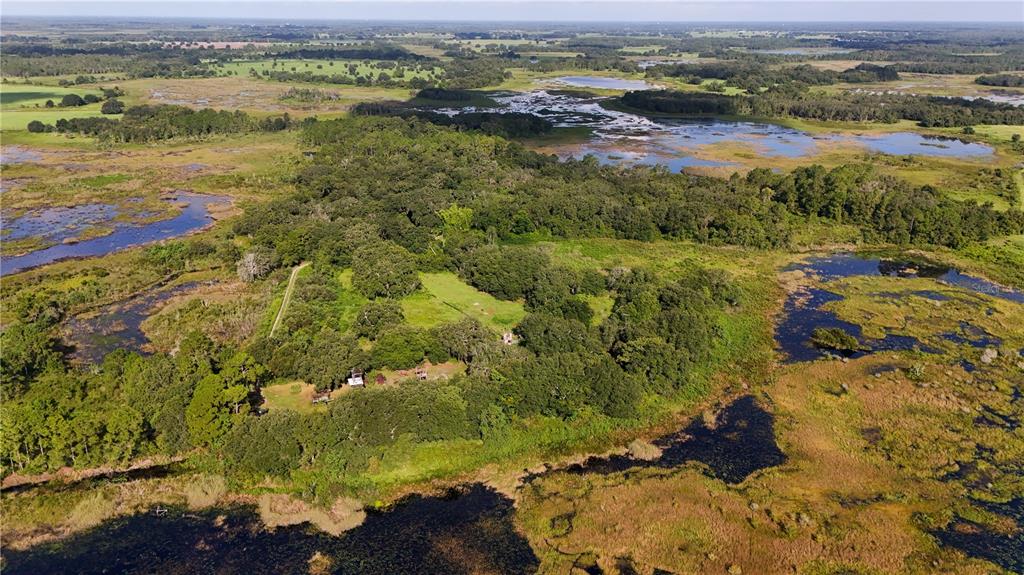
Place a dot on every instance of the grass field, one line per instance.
(30, 95)
(364, 68)
(22, 103)
(291, 396)
(446, 298)
(252, 95)
(19, 119)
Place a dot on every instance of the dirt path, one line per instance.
(288, 291)
(1018, 178)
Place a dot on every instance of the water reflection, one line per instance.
(194, 215)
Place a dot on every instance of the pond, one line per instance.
(18, 155)
(622, 138)
(804, 310)
(195, 215)
(118, 326)
(604, 82)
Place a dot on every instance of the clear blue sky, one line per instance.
(1009, 12)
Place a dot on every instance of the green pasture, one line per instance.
(365, 68)
(446, 298)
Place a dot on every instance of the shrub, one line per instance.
(112, 107)
(834, 338)
(71, 101)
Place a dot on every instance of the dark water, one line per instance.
(118, 326)
(742, 442)
(469, 530)
(976, 540)
(803, 312)
(57, 485)
(973, 336)
(193, 216)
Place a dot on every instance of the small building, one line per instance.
(509, 338)
(421, 373)
(322, 397)
(356, 379)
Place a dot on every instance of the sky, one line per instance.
(1010, 12)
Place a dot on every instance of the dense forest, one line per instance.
(1002, 80)
(927, 111)
(753, 75)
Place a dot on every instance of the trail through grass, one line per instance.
(288, 291)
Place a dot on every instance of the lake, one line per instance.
(603, 82)
(623, 138)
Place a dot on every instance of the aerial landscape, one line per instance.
(479, 287)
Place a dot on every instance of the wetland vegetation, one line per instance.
(341, 298)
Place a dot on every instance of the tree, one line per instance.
(377, 316)
(456, 219)
(27, 351)
(112, 107)
(404, 347)
(545, 334)
(504, 272)
(330, 358)
(49, 104)
(384, 269)
(465, 339)
(36, 127)
(214, 409)
(254, 265)
(71, 101)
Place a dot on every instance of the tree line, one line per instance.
(150, 123)
(927, 111)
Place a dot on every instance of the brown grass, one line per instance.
(277, 510)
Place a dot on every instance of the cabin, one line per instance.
(355, 379)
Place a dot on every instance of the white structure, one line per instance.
(356, 379)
